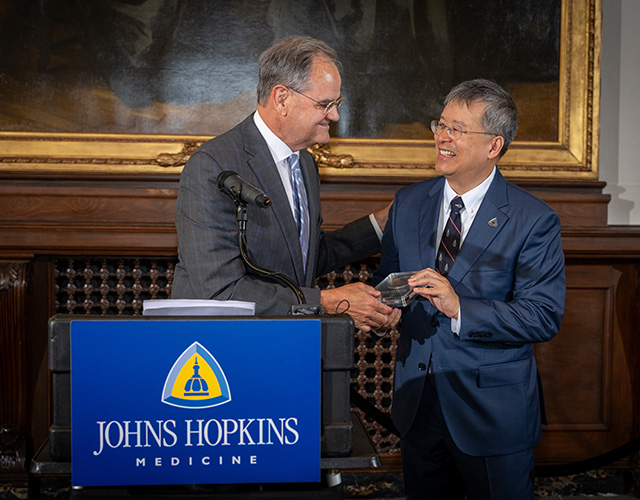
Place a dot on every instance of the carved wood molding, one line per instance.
(320, 152)
(8, 277)
(13, 400)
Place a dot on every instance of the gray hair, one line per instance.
(501, 114)
(288, 62)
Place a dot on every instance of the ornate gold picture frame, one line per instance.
(572, 155)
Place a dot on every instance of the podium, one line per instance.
(344, 444)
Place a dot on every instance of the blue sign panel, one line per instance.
(195, 402)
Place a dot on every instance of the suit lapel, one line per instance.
(429, 211)
(487, 224)
(265, 170)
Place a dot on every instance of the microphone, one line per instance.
(238, 189)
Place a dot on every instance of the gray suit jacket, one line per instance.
(210, 265)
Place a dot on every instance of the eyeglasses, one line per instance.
(454, 132)
(326, 106)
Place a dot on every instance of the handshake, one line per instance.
(364, 304)
(372, 309)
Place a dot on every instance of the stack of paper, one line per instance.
(196, 307)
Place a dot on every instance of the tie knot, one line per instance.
(457, 204)
(292, 161)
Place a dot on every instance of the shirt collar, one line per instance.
(279, 150)
(471, 198)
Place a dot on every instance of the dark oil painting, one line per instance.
(189, 67)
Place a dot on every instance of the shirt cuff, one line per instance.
(376, 226)
(456, 323)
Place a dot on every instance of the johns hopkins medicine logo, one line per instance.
(196, 380)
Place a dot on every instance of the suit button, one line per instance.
(435, 323)
(422, 366)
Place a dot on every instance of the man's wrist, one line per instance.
(333, 302)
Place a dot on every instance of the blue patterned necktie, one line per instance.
(300, 205)
(451, 238)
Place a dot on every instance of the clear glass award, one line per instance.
(395, 289)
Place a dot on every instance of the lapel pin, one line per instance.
(493, 222)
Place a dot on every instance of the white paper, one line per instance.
(197, 307)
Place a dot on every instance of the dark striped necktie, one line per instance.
(451, 238)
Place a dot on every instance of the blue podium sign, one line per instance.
(195, 401)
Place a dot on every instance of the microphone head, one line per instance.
(223, 176)
(241, 191)
(262, 200)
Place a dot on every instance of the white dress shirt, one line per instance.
(472, 201)
(280, 152)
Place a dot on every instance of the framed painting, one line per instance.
(135, 86)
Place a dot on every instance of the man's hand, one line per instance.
(361, 302)
(382, 216)
(431, 285)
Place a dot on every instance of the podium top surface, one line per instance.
(337, 334)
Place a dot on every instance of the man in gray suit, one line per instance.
(298, 98)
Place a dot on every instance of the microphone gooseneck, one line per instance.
(242, 192)
(282, 278)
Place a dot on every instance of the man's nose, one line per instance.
(443, 134)
(333, 114)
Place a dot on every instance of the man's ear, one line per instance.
(496, 146)
(280, 97)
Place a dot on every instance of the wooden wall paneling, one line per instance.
(575, 367)
(104, 225)
(25, 306)
(14, 277)
(579, 204)
(625, 384)
(110, 217)
(40, 309)
(586, 371)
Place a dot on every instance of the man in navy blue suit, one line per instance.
(466, 395)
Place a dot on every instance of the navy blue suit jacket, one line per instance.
(509, 275)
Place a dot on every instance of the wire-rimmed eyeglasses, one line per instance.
(326, 106)
(454, 132)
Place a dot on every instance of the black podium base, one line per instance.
(217, 492)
